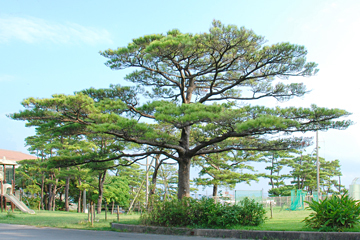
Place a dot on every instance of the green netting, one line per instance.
(315, 196)
(297, 200)
(257, 195)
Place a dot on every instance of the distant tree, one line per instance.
(168, 179)
(116, 190)
(225, 169)
(304, 173)
(277, 161)
(135, 177)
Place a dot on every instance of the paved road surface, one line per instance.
(16, 232)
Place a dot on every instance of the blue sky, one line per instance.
(49, 47)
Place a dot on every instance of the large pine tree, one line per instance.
(198, 85)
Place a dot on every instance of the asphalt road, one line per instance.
(16, 232)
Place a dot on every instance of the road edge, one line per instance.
(242, 234)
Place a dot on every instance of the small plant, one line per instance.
(333, 214)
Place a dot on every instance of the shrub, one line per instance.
(204, 213)
(333, 214)
(253, 213)
(31, 202)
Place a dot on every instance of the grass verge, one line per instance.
(281, 221)
(61, 219)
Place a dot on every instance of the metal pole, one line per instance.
(317, 163)
(147, 181)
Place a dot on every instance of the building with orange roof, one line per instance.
(14, 155)
(8, 163)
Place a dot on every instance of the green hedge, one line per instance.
(204, 213)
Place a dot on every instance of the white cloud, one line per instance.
(34, 30)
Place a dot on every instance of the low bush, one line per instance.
(206, 213)
(333, 214)
(31, 202)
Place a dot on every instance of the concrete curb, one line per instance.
(241, 234)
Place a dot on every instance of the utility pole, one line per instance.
(317, 164)
(147, 181)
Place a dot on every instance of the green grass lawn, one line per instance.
(61, 219)
(284, 220)
(281, 221)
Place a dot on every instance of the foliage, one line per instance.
(225, 169)
(304, 173)
(190, 212)
(116, 189)
(333, 214)
(32, 202)
(281, 191)
(134, 176)
(195, 82)
(59, 205)
(278, 160)
(167, 179)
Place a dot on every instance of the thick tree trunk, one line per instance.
(184, 178)
(215, 190)
(184, 165)
(101, 191)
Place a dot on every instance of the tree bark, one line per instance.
(184, 178)
(154, 176)
(80, 192)
(67, 193)
(184, 164)
(54, 194)
(50, 196)
(102, 176)
(42, 192)
(215, 190)
(79, 201)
